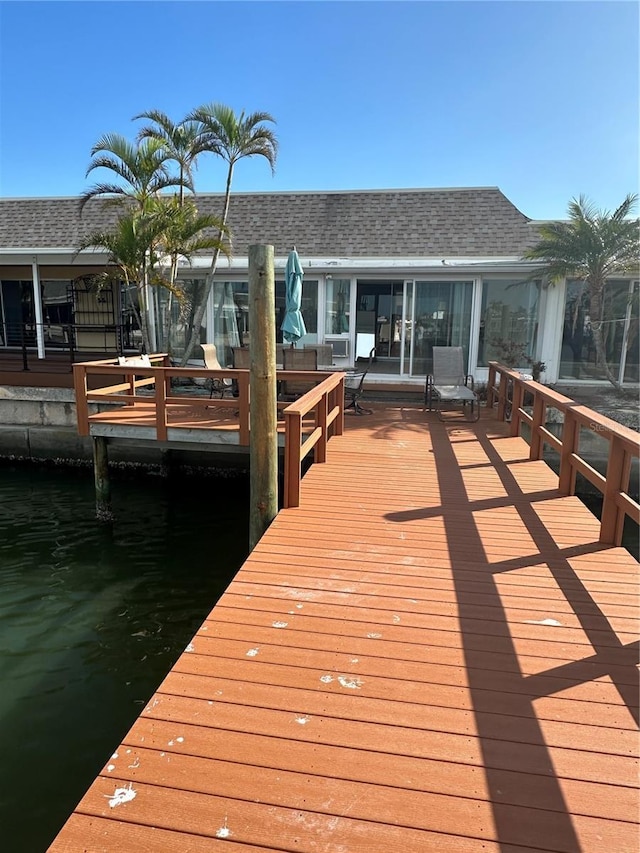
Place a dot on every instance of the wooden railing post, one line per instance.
(292, 460)
(339, 401)
(82, 406)
(570, 441)
(161, 408)
(322, 411)
(617, 480)
(243, 402)
(539, 412)
(518, 399)
(502, 397)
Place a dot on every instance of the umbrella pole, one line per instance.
(263, 442)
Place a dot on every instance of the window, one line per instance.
(509, 322)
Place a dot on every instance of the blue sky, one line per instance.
(538, 98)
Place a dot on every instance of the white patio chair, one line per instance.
(218, 386)
(449, 384)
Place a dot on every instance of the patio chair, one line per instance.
(241, 358)
(325, 354)
(354, 387)
(297, 359)
(218, 386)
(449, 384)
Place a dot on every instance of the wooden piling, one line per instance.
(101, 479)
(263, 441)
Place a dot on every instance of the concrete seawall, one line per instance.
(39, 425)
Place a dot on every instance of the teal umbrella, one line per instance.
(293, 327)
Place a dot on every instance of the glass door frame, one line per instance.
(474, 317)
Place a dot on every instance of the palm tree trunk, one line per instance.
(596, 307)
(194, 338)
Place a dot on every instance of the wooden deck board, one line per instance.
(433, 653)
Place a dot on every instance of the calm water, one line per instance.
(91, 619)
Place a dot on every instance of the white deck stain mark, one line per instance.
(115, 755)
(170, 742)
(136, 763)
(396, 619)
(374, 636)
(190, 648)
(253, 652)
(179, 740)
(553, 622)
(412, 600)
(209, 702)
(111, 767)
(291, 612)
(326, 679)
(151, 706)
(204, 628)
(162, 754)
(299, 606)
(355, 660)
(302, 720)
(351, 683)
(128, 752)
(279, 624)
(120, 796)
(224, 831)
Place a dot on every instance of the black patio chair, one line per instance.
(354, 387)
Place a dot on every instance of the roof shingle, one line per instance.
(467, 222)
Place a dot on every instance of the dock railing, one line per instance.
(322, 406)
(509, 389)
(326, 401)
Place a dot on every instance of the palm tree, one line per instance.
(181, 235)
(139, 242)
(591, 246)
(182, 142)
(142, 168)
(231, 137)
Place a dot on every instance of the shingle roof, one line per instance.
(473, 222)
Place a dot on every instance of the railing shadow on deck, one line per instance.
(509, 389)
(517, 691)
(309, 422)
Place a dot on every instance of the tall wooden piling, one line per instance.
(101, 479)
(263, 443)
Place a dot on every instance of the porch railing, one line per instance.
(309, 422)
(65, 340)
(510, 390)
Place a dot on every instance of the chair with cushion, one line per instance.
(449, 384)
(354, 386)
(297, 359)
(218, 386)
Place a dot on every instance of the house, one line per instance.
(401, 270)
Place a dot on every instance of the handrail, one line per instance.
(325, 401)
(624, 443)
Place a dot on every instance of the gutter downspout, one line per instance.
(37, 302)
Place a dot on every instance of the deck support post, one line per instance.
(263, 439)
(101, 479)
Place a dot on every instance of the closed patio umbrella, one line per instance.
(293, 327)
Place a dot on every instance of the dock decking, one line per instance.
(432, 653)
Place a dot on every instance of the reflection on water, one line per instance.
(91, 619)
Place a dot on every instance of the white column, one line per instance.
(551, 325)
(37, 302)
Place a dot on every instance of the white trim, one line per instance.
(37, 304)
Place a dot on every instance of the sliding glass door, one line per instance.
(442, 318)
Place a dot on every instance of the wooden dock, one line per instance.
(433, 652)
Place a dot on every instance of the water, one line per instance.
(91, 619)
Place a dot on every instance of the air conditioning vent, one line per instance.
(340, 348)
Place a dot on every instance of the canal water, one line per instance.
(92, 617)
